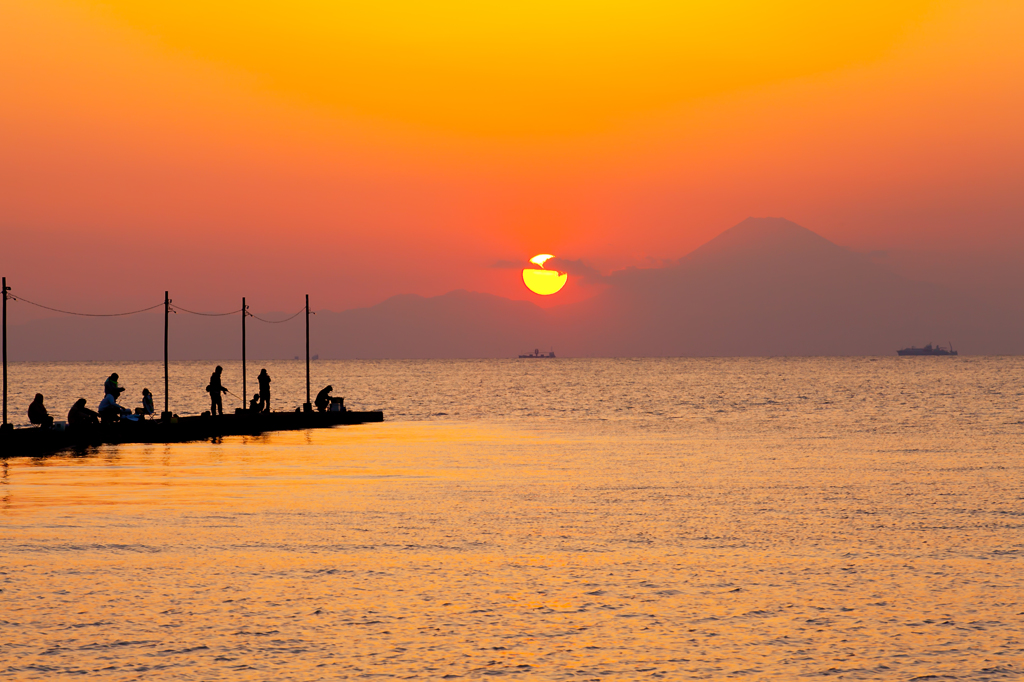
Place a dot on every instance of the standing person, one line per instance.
(216, 389)
(110, 385)
(264, 380)
(37, 413)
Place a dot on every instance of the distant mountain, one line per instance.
(763, 287)
(770, 287)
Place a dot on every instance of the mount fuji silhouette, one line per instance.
(768, 286)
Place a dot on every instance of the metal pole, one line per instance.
(308, 407)
(167, 399)
(5, 290)
(245, 393)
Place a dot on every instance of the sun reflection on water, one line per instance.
(811, 542)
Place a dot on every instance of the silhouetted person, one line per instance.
(110, 386)
(323, 399)
(254, 404)
(110, 411)
(264, 381)
(216, 390)
(80, 415)
(148, 409)
(37, 413)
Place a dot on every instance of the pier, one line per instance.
(169, 427)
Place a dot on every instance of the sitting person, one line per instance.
(80, 415)
(323, 399)
(147, 408)
(254, 404)
(37, 413)
(110, 411)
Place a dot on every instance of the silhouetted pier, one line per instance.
(169, 428)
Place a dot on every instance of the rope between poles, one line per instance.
(301, 310)
(70, 312)
(193, 312)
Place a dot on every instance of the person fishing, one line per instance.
(80, 415)
(110, 412)
(110, 386)
(37, 413)
(323, 398)
(216, 390)
(254, 404)
(264, 381)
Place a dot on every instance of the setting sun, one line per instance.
(541, 281)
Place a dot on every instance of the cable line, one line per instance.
(192, 312)
(69, 312)
(301, 310)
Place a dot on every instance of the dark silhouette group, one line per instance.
(110, 411)
(260, 401)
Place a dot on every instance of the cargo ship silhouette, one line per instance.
(927, 350)
(537, 354)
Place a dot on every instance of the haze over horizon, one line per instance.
(766, 286)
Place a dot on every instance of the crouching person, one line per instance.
(81, 416)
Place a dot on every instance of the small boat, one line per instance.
(537, 354)
(927, 350)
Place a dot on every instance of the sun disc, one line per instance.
(541, 259)
(544, 282)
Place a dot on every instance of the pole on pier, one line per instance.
(308, 407)
(245, 392)
(167, 399)
(6, 288)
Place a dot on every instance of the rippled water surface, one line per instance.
(761, 519)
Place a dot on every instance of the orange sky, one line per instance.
(272, 149)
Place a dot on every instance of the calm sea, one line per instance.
(760, 519)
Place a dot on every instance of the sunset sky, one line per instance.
(359, 150)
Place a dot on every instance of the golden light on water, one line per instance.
(541, 281)
(691, 505)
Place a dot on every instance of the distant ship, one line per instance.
(927, 350)
(537, 354)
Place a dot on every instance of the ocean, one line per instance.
(745, 518)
